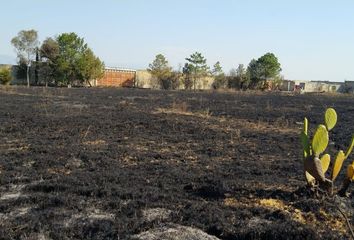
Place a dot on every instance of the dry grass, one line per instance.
(305, 218)
(59, 171)
(97, 142)
(14, 146)
(182, 108)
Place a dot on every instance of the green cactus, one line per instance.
(338, 163)
(306, 126)
(305, 144)
(330, 118)
(325, 161)
(316, 163)
(320, 140)
(350, 148)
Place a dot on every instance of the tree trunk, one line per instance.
(89, 83)
(28, 77)
(36, 78)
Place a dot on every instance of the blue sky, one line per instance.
(314, 40)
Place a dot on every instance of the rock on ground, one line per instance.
(174, 232)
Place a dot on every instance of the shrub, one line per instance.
(220, 81)
(5, 75)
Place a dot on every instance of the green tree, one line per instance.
(254, 72)
(220, 80)
(90, 67)
(187, 77)
(239, 78)
(196, 67)
(71, 47)
(161, 70)
(263, 69)
(217, 69)
(26, 44)
(5, 75)
(75, 60)
(270, 66)
(49, 51)
(243, 76)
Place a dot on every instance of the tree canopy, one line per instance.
(161, 70)
(49, 51)
(68, 59)
(196, 67)
(160, 67)
(217, 69)
(220, 80)
(267, 67)
(26, 45)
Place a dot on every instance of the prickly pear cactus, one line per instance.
(338, 163)
(350, 148)
(320, 140)
(350, 172)
(330, 118)
(316, 163)
(347, 181)
(325, 162)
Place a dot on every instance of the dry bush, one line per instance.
(179, 107)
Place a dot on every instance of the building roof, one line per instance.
(318, 81)
(120, 69)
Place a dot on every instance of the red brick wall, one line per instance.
(117, 78)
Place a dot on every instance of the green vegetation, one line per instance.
(220, 80)
(5, 75)
(67, 60)
(196, 68)
(61, 61)
(75, 61)
(316, 163)
(263, 73)
(263, 69)
(26, 45)
(239, 78)
(161, 70)
(49, 52)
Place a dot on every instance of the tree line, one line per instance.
(261, 73)
(67, 60)
(59, 61)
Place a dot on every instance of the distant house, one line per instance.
(287, 85)
(320, 86)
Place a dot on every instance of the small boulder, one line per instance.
(174, 232)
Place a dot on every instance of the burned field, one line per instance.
(114, 163)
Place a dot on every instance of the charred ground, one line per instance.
(89, 163)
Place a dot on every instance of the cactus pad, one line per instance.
(350, 172)
(338, 164)
(330, 118)
(306, 126)
(350, 148)
(325, 161)
(305, 144)
(320, 140)
(310, 180)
